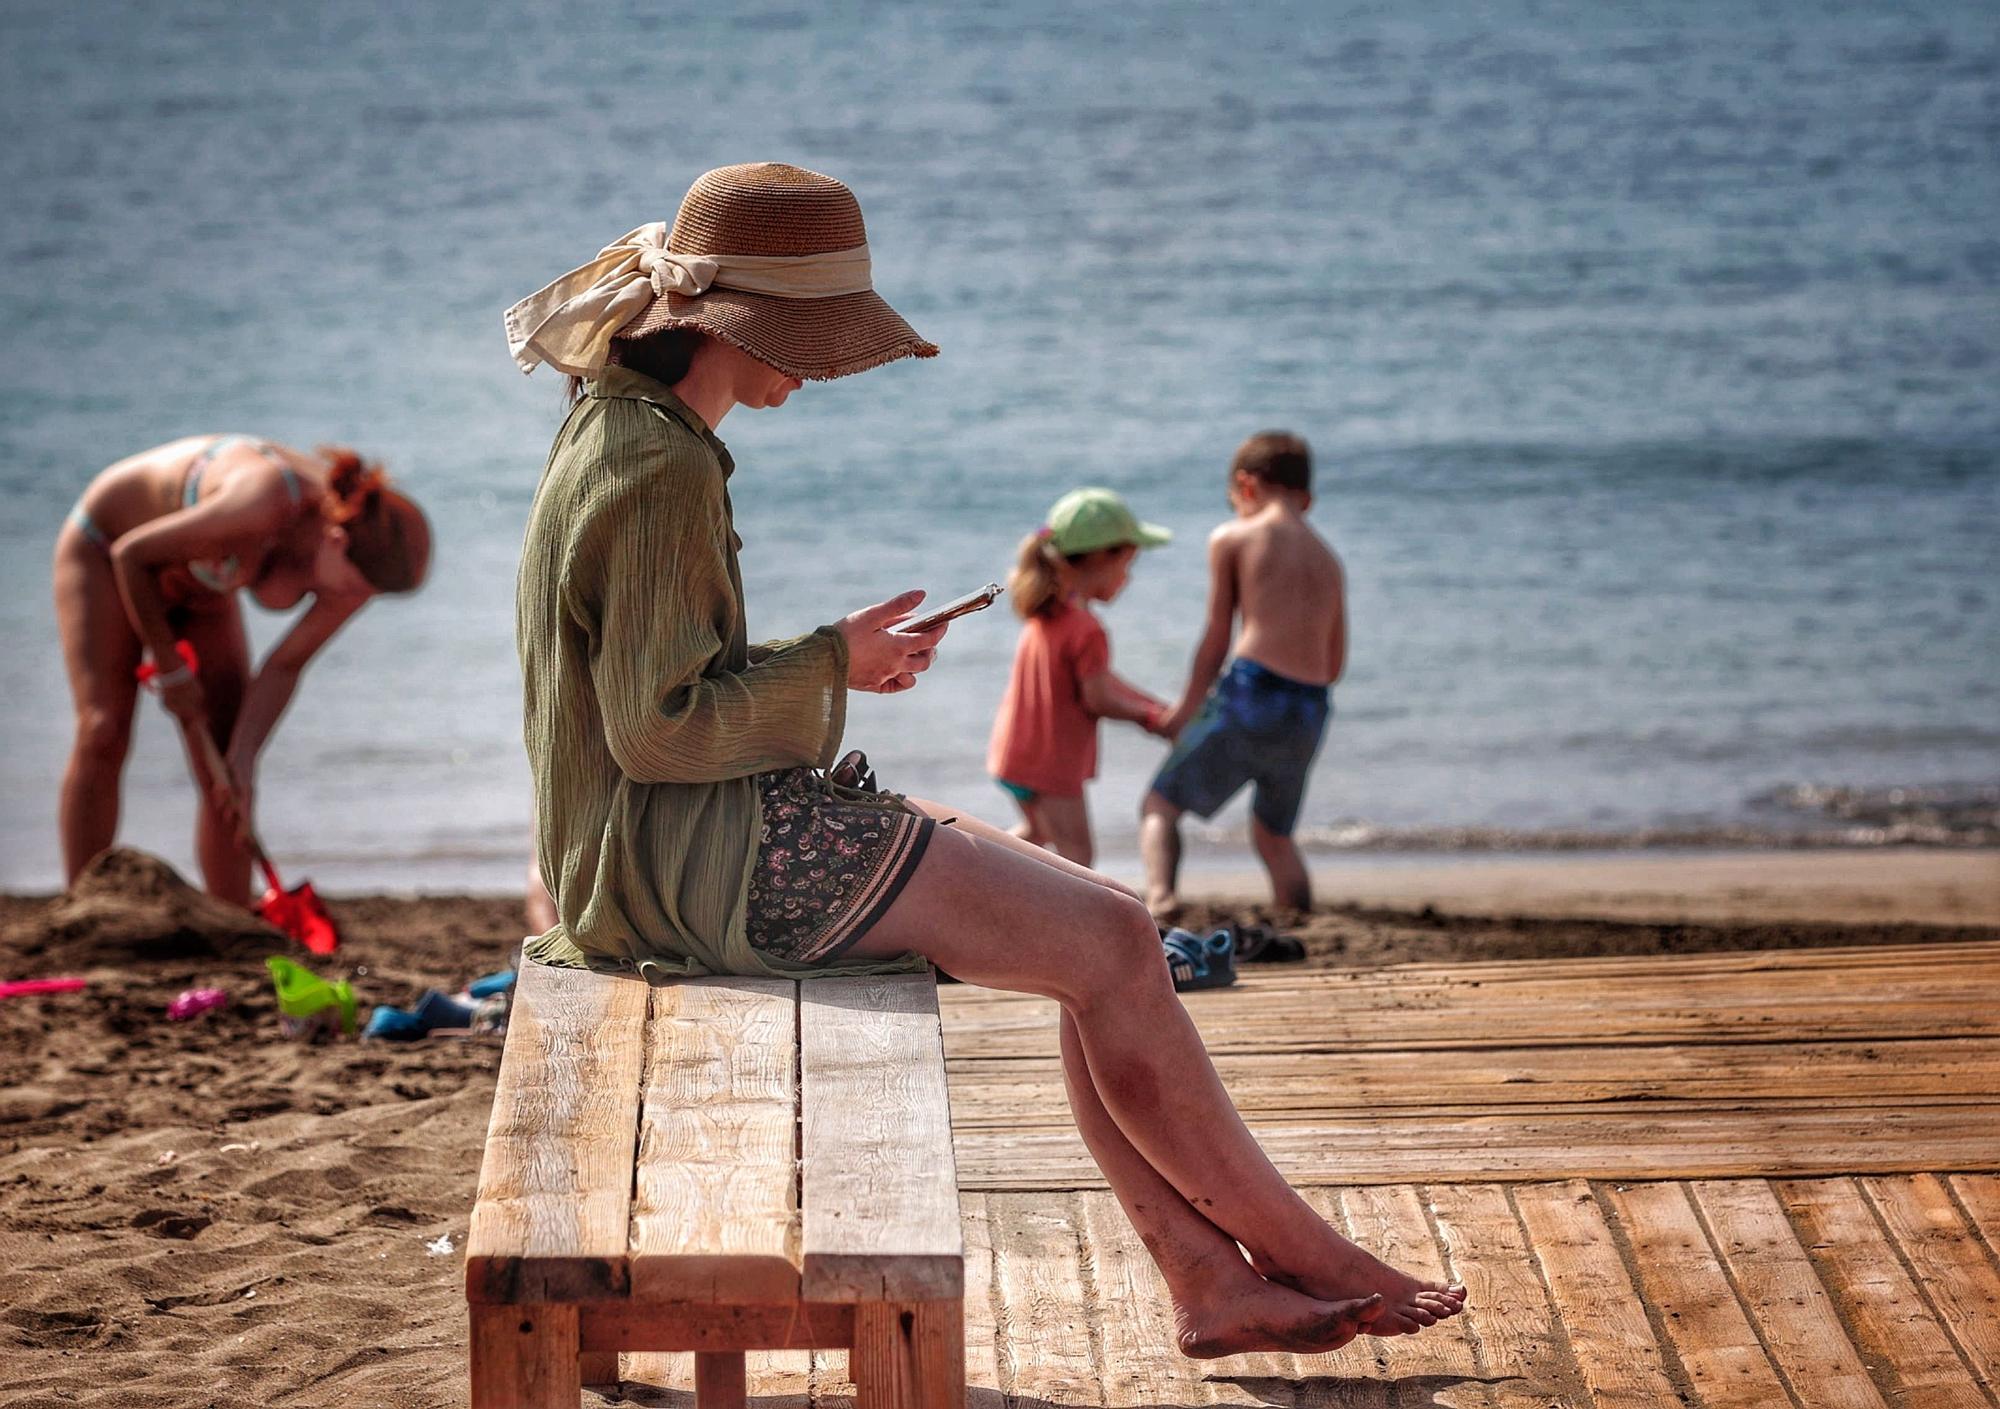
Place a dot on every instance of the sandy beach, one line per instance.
(209, 1213)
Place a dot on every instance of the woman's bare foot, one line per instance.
(1236, 1312)
(1408, 1304)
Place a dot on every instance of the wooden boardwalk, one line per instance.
(1740, 1181)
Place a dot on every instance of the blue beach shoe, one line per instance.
(394, 1024)
(1198, 963)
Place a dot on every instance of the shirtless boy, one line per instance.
(1260, 722)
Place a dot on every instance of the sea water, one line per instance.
(1649, 354)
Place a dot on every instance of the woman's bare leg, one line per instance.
(100, 653)
(1222, 1306)
(1014, 841)
(993, 916)
(223, 648)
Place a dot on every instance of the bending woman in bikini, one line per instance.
(154, 554)
(685, 822)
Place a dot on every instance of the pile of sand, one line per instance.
(128, 905)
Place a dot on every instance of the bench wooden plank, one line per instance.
(550, 1221)
(878, 1185)
(524, 1357)
(658, 1327)
(908, 1357)
(715, 1207)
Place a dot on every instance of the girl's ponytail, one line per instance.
(1036, 579)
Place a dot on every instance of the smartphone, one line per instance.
(971, 602)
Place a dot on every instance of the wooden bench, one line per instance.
(717, 1165)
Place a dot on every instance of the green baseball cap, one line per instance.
(1085, 520)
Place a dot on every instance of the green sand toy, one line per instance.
(307, 1001)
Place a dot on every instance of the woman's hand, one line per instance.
(879, 660)
(185, 701)
(216, 779)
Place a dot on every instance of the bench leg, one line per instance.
(599, 1367)
(525, 1357)
(719, 1379)
(909, 1355)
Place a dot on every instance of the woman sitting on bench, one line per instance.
(685, 824)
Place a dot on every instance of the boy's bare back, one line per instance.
(1289, 593)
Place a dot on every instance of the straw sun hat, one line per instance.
(770, 258)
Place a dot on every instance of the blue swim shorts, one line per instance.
(1256, 727)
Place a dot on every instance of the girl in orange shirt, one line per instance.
(1045, 739)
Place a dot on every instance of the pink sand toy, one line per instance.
(22, 987)
(193, 1002)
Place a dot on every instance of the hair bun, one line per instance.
(351, 482)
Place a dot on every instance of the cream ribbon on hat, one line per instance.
(570, 324)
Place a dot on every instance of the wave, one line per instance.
(1792, 817)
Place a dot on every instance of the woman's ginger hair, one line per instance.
(388, 538)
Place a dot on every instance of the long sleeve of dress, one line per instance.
(652, 585)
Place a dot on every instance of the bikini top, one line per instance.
(225, 574)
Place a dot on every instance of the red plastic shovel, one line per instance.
(299, 912)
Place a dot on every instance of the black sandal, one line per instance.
(1259, 944)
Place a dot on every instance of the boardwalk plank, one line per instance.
(1138, 1355)
(1389, 1221)
(668, 1371)
(1790, 1307)
(1783, 1000)
(832, 1385)
(1029, 1092)
(1351, 1378)
(1507, 1309)
(1980, 1193)
(1951, 1267)
(1415, 1147)
(779, 1379)
(1044, 1308)
(1679, 1274)
(982, 1334)
(1621, 1364)
(1892, 1325)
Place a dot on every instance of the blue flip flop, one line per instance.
(1196, 962)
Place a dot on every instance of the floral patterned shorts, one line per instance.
(827, 868)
